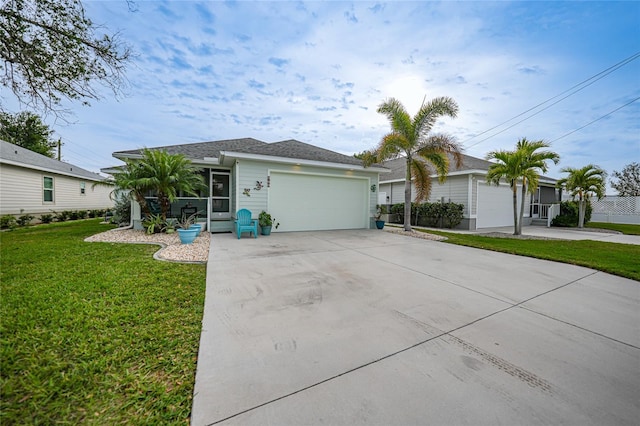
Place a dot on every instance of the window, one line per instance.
(82, 188)
(47, 187)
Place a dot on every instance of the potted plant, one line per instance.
(266, 222)
(380, 210)
(186, 232)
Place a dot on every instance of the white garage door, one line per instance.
(302, 202)
(495, 206)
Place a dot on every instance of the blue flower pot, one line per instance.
(188, 235)
(196, 226)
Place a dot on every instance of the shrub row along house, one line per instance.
(31, 183)
(485, 205)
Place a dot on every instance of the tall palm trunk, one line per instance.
(407, 196)
(582, 207)
(524, 192)
(514, 187)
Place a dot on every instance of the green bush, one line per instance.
(430, 214)
(121, 212)
(62, 216)
(77, 214)
(46, 218)
(7, 221)
(25, 219)
(568, 216)
(452, 214)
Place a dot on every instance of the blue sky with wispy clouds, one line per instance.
(316, 72)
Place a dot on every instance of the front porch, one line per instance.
(205, 209)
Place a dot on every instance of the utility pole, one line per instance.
(59, 149)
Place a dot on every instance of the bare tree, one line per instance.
(50, 50)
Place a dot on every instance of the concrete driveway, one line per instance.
(369, 327)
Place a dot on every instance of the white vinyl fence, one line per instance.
(614, 209)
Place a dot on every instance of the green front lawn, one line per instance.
(617, 259)
(620, 227)
(95, 333)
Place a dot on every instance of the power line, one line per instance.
(597, 119)
(578, 87)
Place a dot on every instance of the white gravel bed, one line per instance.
(414, 234)
(172, 250)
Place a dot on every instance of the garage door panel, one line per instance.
(302, 202)
(495, 206)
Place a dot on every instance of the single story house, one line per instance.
(485, 205)
(32, 183)
(304, 187)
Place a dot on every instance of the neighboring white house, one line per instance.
(485, 205)
(31, 183)
(304, 187)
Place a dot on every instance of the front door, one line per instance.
(220, 194)
(535, 204)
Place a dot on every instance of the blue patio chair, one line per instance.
(244, 223)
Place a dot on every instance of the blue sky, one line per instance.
(316, 72)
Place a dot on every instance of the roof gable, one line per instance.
(17, 155)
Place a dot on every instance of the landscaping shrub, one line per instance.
(46, 218)
(25, 219)
(452, 214)
(121, 211)
(568, 216)
(77, 214)
(397, 210)
(62, 216)
(7, 222)
(437, 215)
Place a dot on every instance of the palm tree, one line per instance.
(582, 183)
(167, 175)
(409, 137)
(161, 173)
(521, 165)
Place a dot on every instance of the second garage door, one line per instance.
(305, 202)
(495, 206)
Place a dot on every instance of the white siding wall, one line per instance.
(22, 189)
(454, 189)
(251, 171)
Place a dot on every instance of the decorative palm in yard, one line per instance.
(161, 173)
(521, 165)
(582, 183)
(424, 152)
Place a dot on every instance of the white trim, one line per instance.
(299, 161)
(470, 196)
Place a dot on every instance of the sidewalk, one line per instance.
(558, 233)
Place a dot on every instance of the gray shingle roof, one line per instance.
(32, 160)
(398, 166)
(287, 149)
(200, 150)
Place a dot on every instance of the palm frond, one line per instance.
(421, 174)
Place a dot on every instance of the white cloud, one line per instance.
(317, 71)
